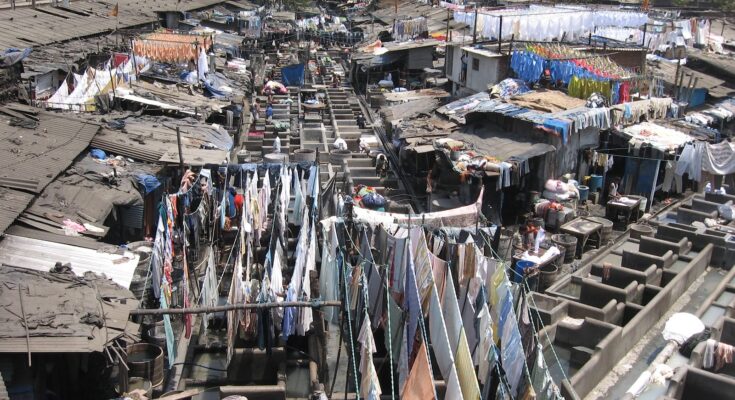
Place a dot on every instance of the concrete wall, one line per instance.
(491, 70)
(632, 299)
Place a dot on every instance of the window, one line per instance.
(475, 64)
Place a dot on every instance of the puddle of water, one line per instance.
(211, 360)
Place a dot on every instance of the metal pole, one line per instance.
(181, 153)
(500, 33)
(676, 75)
(339, 354)
(231, 307)
(645, 28)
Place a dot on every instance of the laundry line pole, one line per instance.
(232, 307)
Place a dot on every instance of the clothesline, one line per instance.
(231, 307)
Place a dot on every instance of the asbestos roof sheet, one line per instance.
(41, 255)
(12, 204)
(30, 158)
(65, 313)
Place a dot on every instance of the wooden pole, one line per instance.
(694, 86)
(678, 87)
(239, 306)
(25, 323)
(474, 29)
(446, 38)
(510, 51)
(135, 63)
(112, 77)
(181, 153)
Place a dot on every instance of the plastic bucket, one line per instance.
(521, 267)
(568, 243)
(595, 183)
(584, 192)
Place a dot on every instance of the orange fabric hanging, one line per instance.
(420, 383)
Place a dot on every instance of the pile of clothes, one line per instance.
(716, 355)
(367, 197)
(508, 87)
(559, 191)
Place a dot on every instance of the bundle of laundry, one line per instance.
(559, 191)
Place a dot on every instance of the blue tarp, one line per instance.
(149, 182)
(12, 56)
(293, 75)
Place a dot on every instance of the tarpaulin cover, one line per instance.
(293, 75)
(12, 56)
(149, 182)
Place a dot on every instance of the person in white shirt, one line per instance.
(277, 144)
(340, 144)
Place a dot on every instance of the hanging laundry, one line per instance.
(420, 384)
(408, 29)
(369, 385)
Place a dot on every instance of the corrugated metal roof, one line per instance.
(149, 138)
(31, 158)
(41, 255)
(196, 157)
(32, 233)
(12, 204)
(27, 27)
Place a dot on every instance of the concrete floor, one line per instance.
(341, 368)
(620, 379)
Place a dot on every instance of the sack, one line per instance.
(688, 346)
(373, 201)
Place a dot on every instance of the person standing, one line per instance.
(269, 113)
(432, 180)
(277, 143)
(255, 110)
